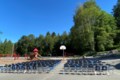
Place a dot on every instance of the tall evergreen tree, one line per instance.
(6, 47)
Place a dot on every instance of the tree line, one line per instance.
(47, 45)
(6, 47)
(94, 30)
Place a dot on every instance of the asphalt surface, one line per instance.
(54, 75)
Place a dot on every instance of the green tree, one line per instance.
(116, 14)
(39, 43)
(1, 48)
(6, 47)
(25, 44)
(31, 42)
(22, 45)
(49, 43)
(0, 37)
(105, 31)
(92, 29)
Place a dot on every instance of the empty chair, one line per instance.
(38, 66)
(85, 66)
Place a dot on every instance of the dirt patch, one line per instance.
(6, 60)
(12, 61)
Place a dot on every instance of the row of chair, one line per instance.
(39, 66)
(86, 66)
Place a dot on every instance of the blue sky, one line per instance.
(24, 17)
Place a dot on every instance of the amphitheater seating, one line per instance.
(86, 66)
(39, 66)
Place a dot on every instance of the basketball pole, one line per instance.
(63, 54)
(12, 50)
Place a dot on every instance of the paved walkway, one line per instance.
(58, 67)
(6, 76)
(56, 70)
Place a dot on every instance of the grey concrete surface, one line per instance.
(53, 75)
(6, 76)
